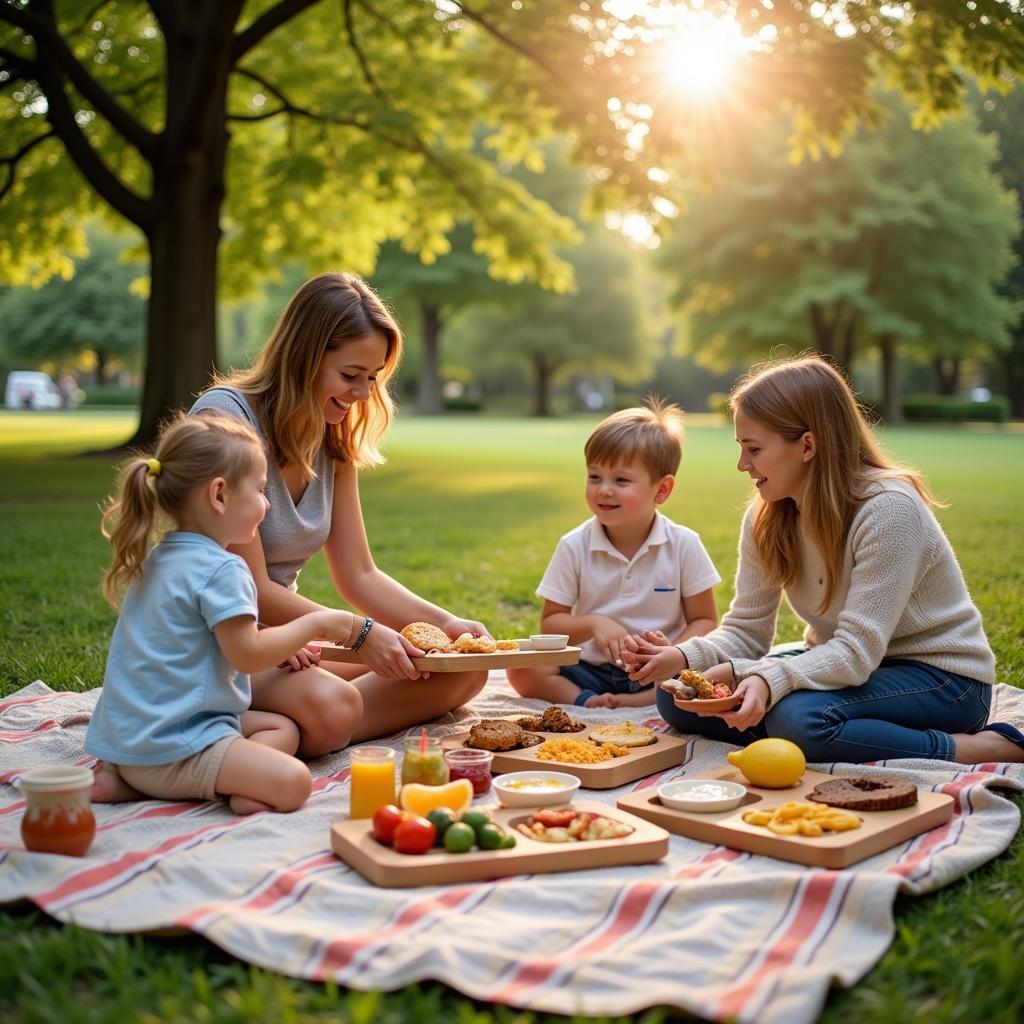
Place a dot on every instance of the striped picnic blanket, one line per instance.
(709, 930)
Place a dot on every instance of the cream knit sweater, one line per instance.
(900, 594)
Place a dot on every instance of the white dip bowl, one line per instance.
(535, 788)
(702, 795)
(549, 641)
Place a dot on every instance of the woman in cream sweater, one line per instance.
(895, 661)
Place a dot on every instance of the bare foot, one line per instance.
(974, 748)
(109, 788)
(602, 700)
(245, 805)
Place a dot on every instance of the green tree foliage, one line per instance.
(901, 238)
(238, 135)
(1004, 115)
(596, 330)
(93, 310)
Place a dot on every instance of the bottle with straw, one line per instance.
(423, 760)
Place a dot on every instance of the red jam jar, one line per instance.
(474, 765)
(58, 815)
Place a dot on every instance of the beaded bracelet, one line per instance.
(367, 626)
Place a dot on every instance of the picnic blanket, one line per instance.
(709, 930)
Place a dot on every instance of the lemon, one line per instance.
(771, 763)
(422, 799)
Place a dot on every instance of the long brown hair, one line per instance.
(191, 451)
(791, 397)
(325, 313)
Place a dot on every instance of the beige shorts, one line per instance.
(194, 778)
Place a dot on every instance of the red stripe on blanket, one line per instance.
(20, 735)
(534, 973)
(340, 952)
(102, 874)
(16, 701)
(924, 847)
(780, 954)
(276, 885)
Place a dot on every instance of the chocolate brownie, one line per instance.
(865, 794)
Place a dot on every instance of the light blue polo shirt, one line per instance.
(168, 691)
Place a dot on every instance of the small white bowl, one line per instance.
(548, 641)
(513, 788)
(702, 795)
(524, 644)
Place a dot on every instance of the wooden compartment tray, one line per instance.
(353, 843)
(462, 662)
(666, 752)
(879, 830)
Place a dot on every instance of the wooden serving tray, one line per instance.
(381, 865)
(462, 662)
(879, 830)
(666, 752)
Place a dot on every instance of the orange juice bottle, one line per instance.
(372, 781)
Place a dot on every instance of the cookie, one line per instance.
(426, 636)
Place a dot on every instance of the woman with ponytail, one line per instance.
(173, 720)
(895, 662)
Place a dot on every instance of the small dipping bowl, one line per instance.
(549, 641)
(524, 643)
(702, 795)
(535, 788)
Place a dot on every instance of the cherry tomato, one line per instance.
(385, 820)
(414, 835)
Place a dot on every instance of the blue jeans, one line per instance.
(591, 679)
(904, 709)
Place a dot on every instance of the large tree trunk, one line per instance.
(428, 387)
(101, 366)
(542, 374)
(188, 183)
(891, 411)
(823, 332)
(1012, 360)
(848, 344)
(947, 374)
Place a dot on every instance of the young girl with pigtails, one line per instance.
(173, 720)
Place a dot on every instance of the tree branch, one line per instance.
(364, 64)
(269, 20)
(288, 107)
(507, 40)
(43, 30)
(62, 118)
(11, 161)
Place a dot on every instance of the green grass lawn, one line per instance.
(467, 512)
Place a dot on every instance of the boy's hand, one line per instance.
(609, 636)
(652, 663)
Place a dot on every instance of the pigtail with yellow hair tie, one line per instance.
(153, 468)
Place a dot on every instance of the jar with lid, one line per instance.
(58, 814)
(475, 765)
(426, 766)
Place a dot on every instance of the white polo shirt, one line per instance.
(590, 575)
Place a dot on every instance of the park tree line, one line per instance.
(408, 140)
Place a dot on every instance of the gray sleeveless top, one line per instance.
(291, 533)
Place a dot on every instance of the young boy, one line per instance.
(627, 569)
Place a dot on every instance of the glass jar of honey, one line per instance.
(58, 815)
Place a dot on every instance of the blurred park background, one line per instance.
(569, 204)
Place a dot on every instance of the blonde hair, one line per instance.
(791, 397)
(325, 313)
(190, 452)
(653, 434)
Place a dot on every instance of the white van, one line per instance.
(31, 389)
